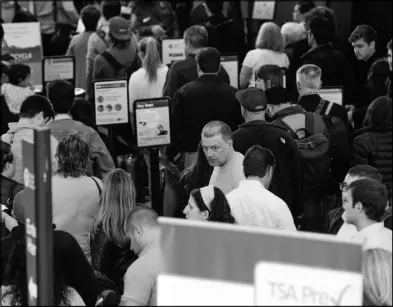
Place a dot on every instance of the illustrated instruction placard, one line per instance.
(111, 102)
(152, 122)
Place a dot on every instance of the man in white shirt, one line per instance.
(364, 205)
(217, 145)
(140, 287)
(252, 204)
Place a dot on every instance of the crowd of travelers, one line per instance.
(270, 154)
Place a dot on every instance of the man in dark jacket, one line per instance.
(363, 40)
(287, 178)
(337, 71)
(185, 71)
(199, 102)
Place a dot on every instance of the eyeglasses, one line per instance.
(343, 186)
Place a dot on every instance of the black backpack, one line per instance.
(122, 71)
(314, 149)
(339, 137)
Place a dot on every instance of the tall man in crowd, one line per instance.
(287, 177)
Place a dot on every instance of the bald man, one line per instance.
(140, 279)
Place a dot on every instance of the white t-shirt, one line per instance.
(257, 58)
(253, 205)
(228, 176)
(140, 87)
(140, 279)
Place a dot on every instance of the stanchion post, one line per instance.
(37, 203)
(155, 186)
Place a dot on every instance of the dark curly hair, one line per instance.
(220, 209)
(72, 153)
(6, 155)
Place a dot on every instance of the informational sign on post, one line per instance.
(58, 68)
(172, 50)
(332, 94)
(231, 65)
(37, 204)
(111, 102)
(22, 40)
(152, 124)
(223, 261)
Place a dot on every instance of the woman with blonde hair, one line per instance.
(110, 247)
(148, 81)
(377, 278)
(269, 50)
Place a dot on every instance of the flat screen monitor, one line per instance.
(58, 68)
(231, 65)
(332, 94)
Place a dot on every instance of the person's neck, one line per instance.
(153, 241)
(362, 224)
(255, 116)
(308, 92)
(369, 56)
(207, 74)
(191, 51)
(262, 180)
(4, 174)
(230, 157)
(28, 121)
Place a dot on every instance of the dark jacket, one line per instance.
(336, 69)
(226, 35)
(110, 259)
(374, 148)
(363, 93)
(9, 188)
(6, 116)
(7, 245)
(198, 103)
(294, 52)
(183, 72)
(310, 103)
(288, 175)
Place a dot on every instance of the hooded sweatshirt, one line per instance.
(15, 95)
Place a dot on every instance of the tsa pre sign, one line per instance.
(278, 284)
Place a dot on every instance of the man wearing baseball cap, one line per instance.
(287, 178)
(121, 53)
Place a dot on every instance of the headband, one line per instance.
(207, 194)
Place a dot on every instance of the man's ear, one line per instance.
(358, 207)
(138, 229)
(205, 215)
(372, 45)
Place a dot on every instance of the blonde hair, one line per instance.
(151, 60)
(377, 278)
(269, 37)
(116, 202)
(309, 76)
(292, 32)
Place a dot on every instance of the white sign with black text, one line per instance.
(279, 284)
(111, 102)
(172, 50)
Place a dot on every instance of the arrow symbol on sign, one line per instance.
(32, 289)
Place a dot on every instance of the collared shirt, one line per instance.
(140, 286)
(375, 236)
(253, 205)
(62, 116)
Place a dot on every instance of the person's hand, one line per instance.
(158, 31)
(10, 222)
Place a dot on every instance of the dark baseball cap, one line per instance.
(120, 28)
(277, 95)
(252, 99)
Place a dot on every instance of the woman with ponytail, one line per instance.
(209, 204)
(148, 81)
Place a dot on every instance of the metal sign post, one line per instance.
(37, 205)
